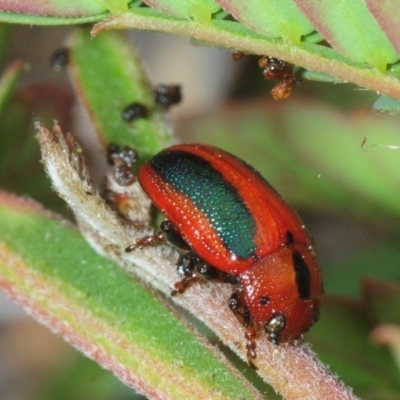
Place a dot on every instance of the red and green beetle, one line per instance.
(236, 228)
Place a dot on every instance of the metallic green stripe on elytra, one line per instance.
(213, 195)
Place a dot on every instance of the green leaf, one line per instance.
(116, 6)
(55, 8)
(48, 268)
(59, 12)
(317, 76)
(107, 76)
(199, 10)
(235, 36)
(273, 18)
(365, 43)
(386, 105)
(350, 28)
(28, 19)
(387, 14)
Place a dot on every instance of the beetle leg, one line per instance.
(209, 273)
(173, 236)
(250, 335)
(185, 267)
(189, 266)
(146, 241)
(183, 284)
(243, 315)
(236, 306)
(168, 234)
(186, 264)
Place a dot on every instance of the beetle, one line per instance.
(234, 227)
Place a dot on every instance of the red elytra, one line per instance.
(237, 229)
(273, 217)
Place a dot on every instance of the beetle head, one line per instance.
(283, 292)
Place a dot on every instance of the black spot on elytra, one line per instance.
(289, 240)
(303, 276)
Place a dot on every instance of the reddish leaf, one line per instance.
(72, 8)
(350, 29)
(199, 10)
(387, 14)
(274, 18)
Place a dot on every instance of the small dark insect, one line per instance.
(122, 158)
(121, 154)
(275, 68)
(123, 175)
(59, 59)
(167, 95)
(134, 111)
